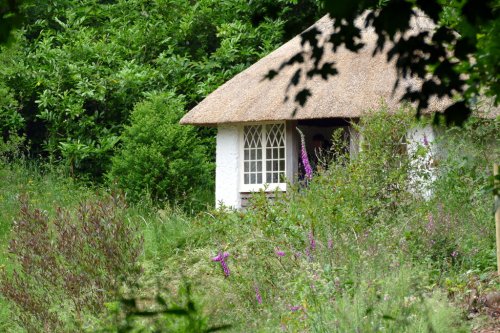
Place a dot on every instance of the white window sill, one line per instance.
(263, 187)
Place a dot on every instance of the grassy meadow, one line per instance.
(354, 250)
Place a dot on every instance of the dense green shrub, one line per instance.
(65, 268)
(12, 149)
(74, 72)
(10, 120)
(161, 158)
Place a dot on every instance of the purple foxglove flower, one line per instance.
(303, 156)
(225, 268)
(257, 294)
(425, 141)
(312, 241)
(221, 258)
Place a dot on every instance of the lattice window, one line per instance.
(252, 155)
(275, 153)
(263, 154)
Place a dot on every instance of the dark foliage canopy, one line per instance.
(459, 60)
(10, 17)
(75, 69)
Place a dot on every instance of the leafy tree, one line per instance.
(10, 120)
(459, 60)
(77, 68)
(10, 18)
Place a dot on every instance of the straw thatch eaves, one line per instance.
(363, 82)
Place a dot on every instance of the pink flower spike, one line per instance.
(221, 258)
(303, 156)
(257, 294)
(330, 244)
(279, 253)
(312, 241)
(425, 141)
(295, 308)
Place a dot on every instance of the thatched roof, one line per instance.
(362, 83)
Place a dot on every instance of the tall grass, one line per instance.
(354, 251)
(384, 258)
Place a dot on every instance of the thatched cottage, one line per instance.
(257, 144)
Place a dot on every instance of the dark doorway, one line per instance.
(321, 145)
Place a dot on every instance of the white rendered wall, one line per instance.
(227, 167)
(423, 150)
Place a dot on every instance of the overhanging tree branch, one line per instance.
(458, 59)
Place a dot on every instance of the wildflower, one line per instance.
(257, 294)
(295, 308)
(454, 254)
(425, 141)
(279, 253)
(312, 241)
(303, 155)
(221, 258)
(330, 244)
(309, 255)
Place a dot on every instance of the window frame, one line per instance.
(268, 187)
